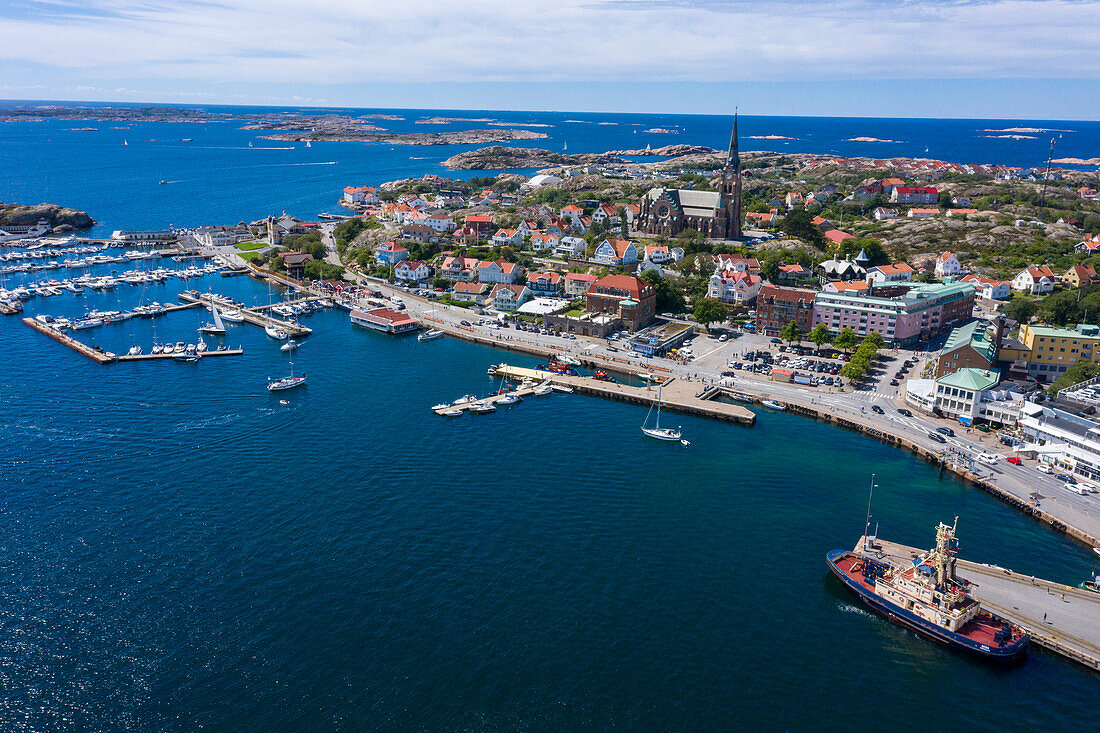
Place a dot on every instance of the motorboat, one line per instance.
(275, 332)
(441, 406)
(570, 360)
(657, 432)
(135, 350)
(157, 349)
(232, 316)
(187, 358)
(774, 405)
(201, 347)
(542, 390)
(509, 399)
(289, 346)
(428, 335)
(452, 412)
(484, 408)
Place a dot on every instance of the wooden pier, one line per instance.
(1061, 618)
(677, 395)
(253, 316)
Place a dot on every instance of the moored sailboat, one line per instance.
(657, 432)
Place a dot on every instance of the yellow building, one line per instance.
(1053, 350)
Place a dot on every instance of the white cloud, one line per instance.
(279, 41)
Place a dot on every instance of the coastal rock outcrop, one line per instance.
(59, 217)
(498, 156)
(667, 151)
(457, 137)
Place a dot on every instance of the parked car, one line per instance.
(893, 383)
(465, 323)
(777, 341)
(946, 431)
(1044, 468)
(1014, 460)
(937, 437)
(903, 411)
(1065, 477)
(879, 410)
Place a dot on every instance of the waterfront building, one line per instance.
(1035, 280)
(777, 306)
(899, 272)
(361, 195)
(578, 283)
(630, 299)
(507, 298)
(157, 236)
(1063, 439)
(972, 346)
(470, 292)
(948, 265)
(459, 269)
(914, 195)
(546, 284)
(660, 338)
(385, 320)
(217, 236)
(295, 263)
(904, 313)
(615, 253)
(715, 214)
(1051, 350)
(959, 394)
(390, 253)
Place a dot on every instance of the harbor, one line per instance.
(106, 357)
(1060, 618)
(252, 316)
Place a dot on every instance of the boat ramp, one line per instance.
(678, 395)
(1061, 618)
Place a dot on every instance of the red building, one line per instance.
(631, 299)
(776, 307)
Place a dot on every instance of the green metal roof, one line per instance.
(974, 380)
(1084, 330)
(976, 333)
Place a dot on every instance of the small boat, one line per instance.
(201, 347)
(657, 432)
(453, 412)
(570, 360)
(429, 335)
(284, 402)
(484, 408)
(162, 182)
(187, 358)
(135, 350)
(216, 328)
(1096, 550)
(465, 399)
(1091, 585)
(685, 442)
(562, 388)
(509, 399)
(275, 332)
(278, 385)
(441, 406)
(232, 316)
(157, 349)
(308, 145)
(774, 405)
(289, 346)
(542, 390)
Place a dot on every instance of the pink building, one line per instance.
(903, 313)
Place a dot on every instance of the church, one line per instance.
(717, 214)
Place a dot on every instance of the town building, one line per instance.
(778, 306)
(361, 195)
(715, 214)
(733, 287)
(904, 313)
(412, 271)
(660, 338)
(793, 273)
(1080, 276)
(615, 253)
(459, 269)
(971, 346)
(630, 299)
(1051, 350)
(900, 272)
(498, 271)
(1035, 280)
(948, 265)
(1062, 439)
(914, 195)
(390, 253)
(295, 263)
(844, 269)
(470, 292)
(573, 248)
(480, 223)
(508, 238)
(385, 320)
(919, 213)
(508, 298)
(578, 283)
(546, 284)
(989, 288)
(959, 394)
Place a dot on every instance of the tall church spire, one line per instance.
(733, 159)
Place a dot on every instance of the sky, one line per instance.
(1017, 59)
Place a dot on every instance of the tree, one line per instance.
(845, 340)
(791, 333)
(1079, 373)
(874, 340)
(769, 265)
(798, 223)
(710, 310)
(668, 297)
(820, 335)
(624, 226)
(1019, 309)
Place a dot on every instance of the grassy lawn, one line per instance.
(249, 246)
(250, 256)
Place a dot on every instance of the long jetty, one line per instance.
(252, 316)
(676, 395)
(106, 357)
(1061, 618)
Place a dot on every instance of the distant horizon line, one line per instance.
(330, 107)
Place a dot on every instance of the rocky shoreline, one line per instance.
(60, 218)
(459, 137)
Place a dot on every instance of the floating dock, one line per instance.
(677, 395)
(253, 316)
(1061, 618)
(106, 357)
(524, 390)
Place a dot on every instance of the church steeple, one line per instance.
(733, 159)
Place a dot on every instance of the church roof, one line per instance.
(692, 203)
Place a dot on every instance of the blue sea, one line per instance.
(181, 551)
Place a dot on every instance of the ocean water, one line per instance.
(180, 550)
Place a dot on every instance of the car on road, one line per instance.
(1015, 461)
(777, 341)
(893, 383)
(946, 431)
(879, 410)
(729, 374)
(1065, 477)
(465, 323)
(1075, 488)
(1044, 468)
(937, 437)
(903, 411)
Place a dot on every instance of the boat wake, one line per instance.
(848, 608)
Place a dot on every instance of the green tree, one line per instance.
(820, 335)
(1079, 373)
(669, 298)
(791, 333)
(1019, 309)
(623, 224)
(710, 310)
(845, 340)
(769, 265)
(798, 223)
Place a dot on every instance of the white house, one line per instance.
(571, 212)
(948, 265)
(361, 195)
(470, 292)
(412, 271)
(880, 213)
(731, 286)
(615, 252)
(459, 269)
(541, 241)
(508, 238)
(509, 297)
(574, 247)
(578, 283)
(606, 212)
(498, 271)
(900, 272)
(1035, 280)
(439, 221)
(989, 288)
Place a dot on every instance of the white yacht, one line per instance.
(657, 432)
(275, 332)
(428, 335)
(289, 346)
(135, 350)
(217, 328)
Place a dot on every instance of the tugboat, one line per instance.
(928, 598)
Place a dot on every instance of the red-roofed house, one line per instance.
(794, 272)
(390, 253)
(361, 195)
(412, 271)
(916, 213)
(1080, 276)
(542, 241)
(546, 284)
(989, 288)
(852, 287)
(948, 265)
(571, 212)
(730, 286)
(1035, 280)
(386, 320)
(631, 299)
(737, 263)
(835, 235)
(578, 283)
(459, 269)
(481, 223)
(615, 252)
(900, 272)
(914, 195)
(498, 271)
(471, 292)
(606, 212)
(509, 297)
(508, 238)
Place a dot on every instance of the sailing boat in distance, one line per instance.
(216, 328)
(279, 385)
(657, 432)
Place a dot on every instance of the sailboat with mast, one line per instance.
(657, 432)
(279, 385)
(217, 328)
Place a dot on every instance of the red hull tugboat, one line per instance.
(927, 598)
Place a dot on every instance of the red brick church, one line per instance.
(717, 214)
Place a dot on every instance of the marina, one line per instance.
(252, 316)
(107, 357)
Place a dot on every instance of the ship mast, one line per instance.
(867, 543)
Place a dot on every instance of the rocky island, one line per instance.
(59, 217)
(457, 137)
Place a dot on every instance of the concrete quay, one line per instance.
(100, 357)
(676, 395)
(1061, 618)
